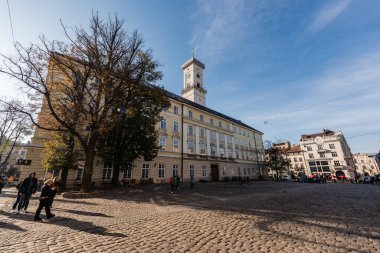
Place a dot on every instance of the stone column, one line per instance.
(208, 142)
(233, 147)
(217, 143)
(184, 138)
(197, 148)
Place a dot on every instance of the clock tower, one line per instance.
(193, 86)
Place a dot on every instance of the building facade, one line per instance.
(296, 158)
(365, 165)
(328, 154)
(194, 141)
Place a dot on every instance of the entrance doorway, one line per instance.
(214, 172)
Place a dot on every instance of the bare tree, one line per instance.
(276, 158)
(14, 127)
(77, 85)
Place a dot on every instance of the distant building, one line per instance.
(327, 153)
(365, 165)
(296, 157)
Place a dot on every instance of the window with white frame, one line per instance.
(176, 110)
(221, 150)
(175, 144)
(191, 170)
(332, 146)
(220, 124)
(212, 135)
(202, 147)
(320, 147)
(204, 171)
(311, 156)
(79, 174)
(211, 122)
(221, 137)
(163, 124)
(127, 174)
(162, 143)
(190, 146)
(191, 130)
(336, 163)
(300, 159)
(175, 170)
(190, 114)
(202, 133)
(322, 155)
(228, 127)
(213, 148)
(334, 154)
(295, 159)
(309, 148)
(175, 127)
(107, 171)
(201, 118)
(145, 171)
(161, 170)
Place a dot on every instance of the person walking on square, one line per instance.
(54, 188)
(27, 189)
(18, 197)
(2, 185)
(46, 193)
(171, 180)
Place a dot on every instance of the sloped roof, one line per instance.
(206, 109)
(295, 149)
(325, 132)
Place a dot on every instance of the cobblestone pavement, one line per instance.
(213, 217)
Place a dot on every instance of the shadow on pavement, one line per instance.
(83, 212)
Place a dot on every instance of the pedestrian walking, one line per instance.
(46, 193)
(18, 197)
(191, 182)
(171, 181)
(27, 189)
(2, 185)
(54, 187)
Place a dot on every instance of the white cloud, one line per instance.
(327, 14)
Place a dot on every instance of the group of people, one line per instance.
(27, 188)
(174, 183)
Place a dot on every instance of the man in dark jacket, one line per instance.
(27, 188)
(46, 193)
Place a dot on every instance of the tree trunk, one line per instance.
(88, 167)
(115, 176)
(65, 172)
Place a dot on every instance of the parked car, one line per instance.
(286, 178)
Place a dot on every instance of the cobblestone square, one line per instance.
(213, 217)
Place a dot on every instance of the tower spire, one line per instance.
(192, 52)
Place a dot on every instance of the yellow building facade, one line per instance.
(195, 141)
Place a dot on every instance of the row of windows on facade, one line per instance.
(127, 174)
(336, 163)
(245, 155)
(322, 155)
(220, 124)
(320, 147)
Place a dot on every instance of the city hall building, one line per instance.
(194, 139)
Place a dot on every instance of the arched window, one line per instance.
(190, 146)
(202, 147)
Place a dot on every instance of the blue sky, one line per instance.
(302, 66)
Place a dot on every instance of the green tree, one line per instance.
(134, 134)
(276, 159)
(60, 154)
(82, 81)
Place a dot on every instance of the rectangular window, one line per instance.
(201, 118)
(332, 146)
(221, 137)
(244, 172)
(175, 170)
(320, 147)
(239, 172)
(175, 110)
(220, 124)
(202, 133)
(191, 170)
(235, 130)
(163, 124)
(228, 127)
(309, 148)
(295, 159)
(79, 174)
(175, 127)
(107, 172)
(311, 156)
(161, 170)
(212, 135)
(204, 171)
(211, 122)
(175, 144)
(336, 163)
(127, 174)
(190, 114)
(334, 154)
(162, 143)
(322, 155)
(300, 159)
(191, 130)
(145, 171)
